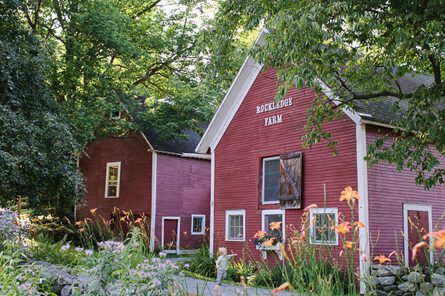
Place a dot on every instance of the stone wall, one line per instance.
(396, 280)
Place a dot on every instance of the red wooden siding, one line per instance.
(246, 141)
(183, 189)
(388, 190)
(135, 179)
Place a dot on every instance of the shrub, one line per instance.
(16, 278)
(202, 263)
(52, 228)
(91, 231)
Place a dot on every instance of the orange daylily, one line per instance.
(282, 287)
(417, 247)
(343, 227)
(349, 245)
(138, 220)
(312, 206)
(275, 225)
(349, 195)
(81, 229)
(93, 211)
(358, 225)
(268, 243)
(438, 238)
(78, 223)
(259, 234)
(382, 259)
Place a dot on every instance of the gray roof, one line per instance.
(383, 109)
(178, 145)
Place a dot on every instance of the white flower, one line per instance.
(65, 247)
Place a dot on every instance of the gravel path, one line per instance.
(204, 288)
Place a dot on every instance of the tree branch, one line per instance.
(147, 9)
(436, 69)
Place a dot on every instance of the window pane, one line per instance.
(323, 231)
(273, 218)
(236, 227)
(197, 224)
(271, 180)
(113, 172)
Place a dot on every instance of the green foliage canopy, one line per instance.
(37, 147)
(360, 49)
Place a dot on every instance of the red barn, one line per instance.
(261, 173)
(166, 181)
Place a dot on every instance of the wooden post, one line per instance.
(19, 205)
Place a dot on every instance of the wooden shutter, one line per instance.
(291, 180)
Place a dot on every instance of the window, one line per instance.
(322, 223)
(274, 216)
(282, 180)
(235, 225)
(116, 115)
(112, 179)
(271, 180)
(198, 224)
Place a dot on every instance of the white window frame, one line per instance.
(119, 116)
(415, 207)
(263, 181)
(274, 212)
(111, 164)
(312, 229)
(203, 228)
(235, 213)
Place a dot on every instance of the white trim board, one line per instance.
(178, 234)
(420, 208)
(212, 201)
(363, 207)
(154, 172)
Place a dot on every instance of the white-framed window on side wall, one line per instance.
(271, 180)
(322, 226)
(274, 221)
(198, 224)
(112, 179)
(236, 225)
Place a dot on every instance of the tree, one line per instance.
(110, 55)
(361, 50)
(37, 145)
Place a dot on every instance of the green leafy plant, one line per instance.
(202, 263)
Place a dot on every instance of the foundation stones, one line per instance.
(399, 281)
(415, 277)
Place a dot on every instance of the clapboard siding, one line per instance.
(135, 181)
(388, 190)
(183, 189)
(238, 159)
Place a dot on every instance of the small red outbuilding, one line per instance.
(166, 181)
